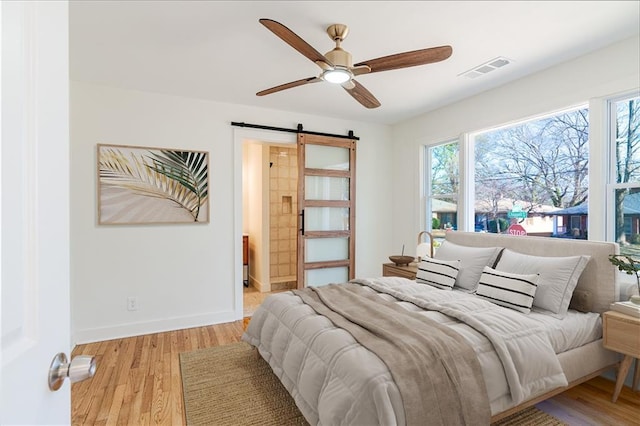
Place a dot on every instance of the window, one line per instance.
(534, 174)
(442, 183)
(624, 181)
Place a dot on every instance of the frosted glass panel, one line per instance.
(326, 219)
(319, 277)
(326, 157)
(325, 249)
(326, 188)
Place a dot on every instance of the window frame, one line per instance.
(610, 142)
(602, 167)
(467, 150)
(427, 196)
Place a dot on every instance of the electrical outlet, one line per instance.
(132, 303)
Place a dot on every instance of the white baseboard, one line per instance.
(120, 331)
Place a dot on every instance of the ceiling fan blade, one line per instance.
(293, 40)
(408, 59)
(361, 94)
(289, 85)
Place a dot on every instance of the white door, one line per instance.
(34, 201)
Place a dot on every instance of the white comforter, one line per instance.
(334, 380)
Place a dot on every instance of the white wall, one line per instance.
(257, 205)
(188, 275)
(609, 71)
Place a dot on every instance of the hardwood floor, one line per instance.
(138, 383)
(590, 404)
(138, 380)
(252, 299)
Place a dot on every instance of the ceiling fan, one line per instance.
(337, 66)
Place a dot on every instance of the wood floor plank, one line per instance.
(127, 399)
(153, 376)
(164, 412)
(116, 405)
(593, 399)
(137, 353)
(107, 387)
(177, 409)
(80, 409)
(159, 398)
(139, 377)
(213, 337)
(138, 382)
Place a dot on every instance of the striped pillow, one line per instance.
(438, 273)
(506, 289)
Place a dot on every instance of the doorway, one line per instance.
(269, 215)
(298, 210)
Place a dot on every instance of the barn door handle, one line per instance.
(302, 221)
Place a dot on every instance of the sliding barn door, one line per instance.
(326, 209)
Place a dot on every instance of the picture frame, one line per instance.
(148, 185)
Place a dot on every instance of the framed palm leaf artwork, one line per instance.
(140, 185)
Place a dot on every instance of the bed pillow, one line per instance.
(558, 277)
(513, 291)
(472, 262)
(438, 273)
(581, 301)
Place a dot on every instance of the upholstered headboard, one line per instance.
(599, 278)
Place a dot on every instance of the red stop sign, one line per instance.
(516, 230)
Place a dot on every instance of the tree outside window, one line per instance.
(539, 169)
(443, 185)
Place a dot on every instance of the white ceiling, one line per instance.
(218, 50)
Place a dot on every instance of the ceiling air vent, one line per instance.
(486, 68)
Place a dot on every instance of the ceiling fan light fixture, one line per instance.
(337, 76)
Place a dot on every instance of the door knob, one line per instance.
(80, 368)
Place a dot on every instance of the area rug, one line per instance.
(230, 386)
(531, 416)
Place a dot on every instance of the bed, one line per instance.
(516, 322)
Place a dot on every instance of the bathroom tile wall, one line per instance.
(283, 199)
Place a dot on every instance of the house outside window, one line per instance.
(534, 174)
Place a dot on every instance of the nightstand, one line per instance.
(405, 271)
(622, 334)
